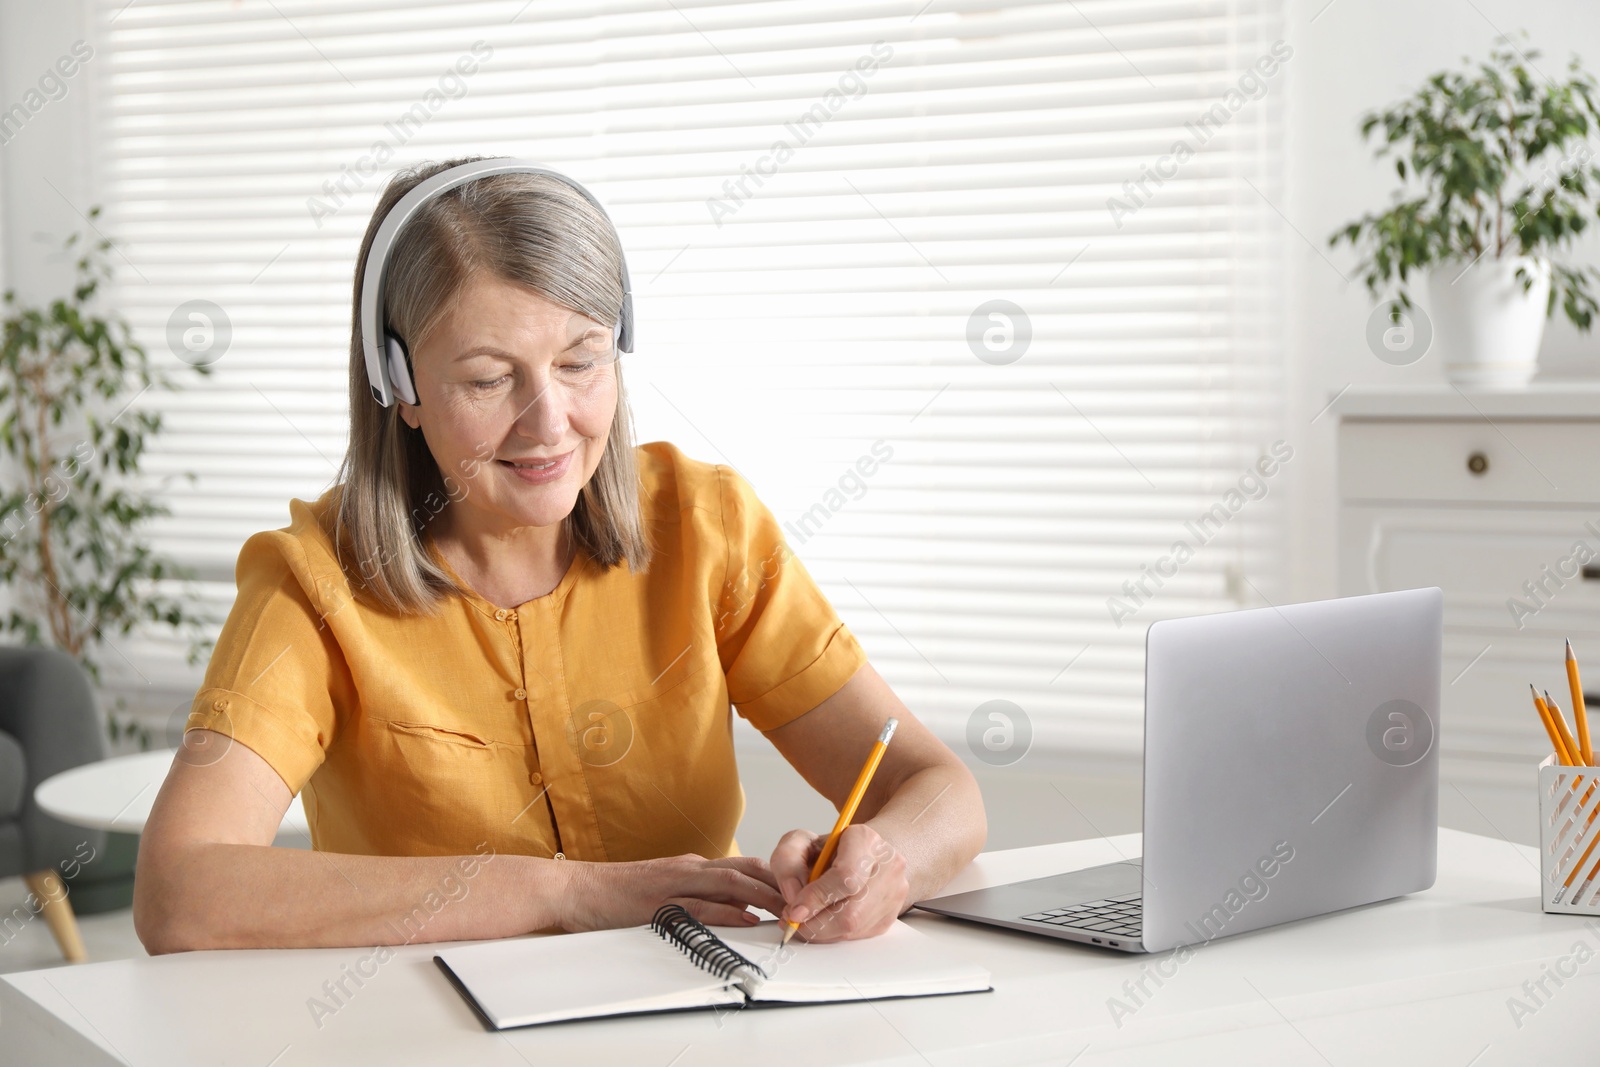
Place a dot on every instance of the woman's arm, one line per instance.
(920, 822)
(208, 876)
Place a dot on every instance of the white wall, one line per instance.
(1358, 55)
(46, 174)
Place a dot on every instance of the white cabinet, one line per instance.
(1495, 498)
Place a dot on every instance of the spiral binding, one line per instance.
(708, 951)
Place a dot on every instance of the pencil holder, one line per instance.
(1569, 830)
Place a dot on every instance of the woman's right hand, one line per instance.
(598, 896)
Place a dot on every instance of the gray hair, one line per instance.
(529, 229)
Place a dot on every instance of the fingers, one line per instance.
(754, 866)
(832, 890)
(791, 861)
(721, 891)
(713, 914)
(844, 878)
(860, 893)
(728, 884)
(864, 888)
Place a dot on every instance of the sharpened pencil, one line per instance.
(1561, 726)
(846, 813)
(1558, 746)
(1580, 714)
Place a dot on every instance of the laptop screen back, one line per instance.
(1290, 762)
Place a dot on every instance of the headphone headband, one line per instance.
(375, 339)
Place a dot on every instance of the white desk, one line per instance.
(116, 794)
(1419, 980)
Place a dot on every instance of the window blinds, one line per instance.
(982, 298)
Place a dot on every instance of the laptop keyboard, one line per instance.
(1117, 916)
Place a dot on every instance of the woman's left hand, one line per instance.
(859, 895)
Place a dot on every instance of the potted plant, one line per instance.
(72, 549)
(1496, 179)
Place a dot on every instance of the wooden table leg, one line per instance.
(52, 893)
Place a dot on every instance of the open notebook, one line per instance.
(677, 963)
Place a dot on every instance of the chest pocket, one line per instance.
(442, 734)
(449, 787)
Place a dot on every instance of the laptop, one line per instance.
(1291, 769)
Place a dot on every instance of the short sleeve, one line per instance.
(270, 683)
(783, 648)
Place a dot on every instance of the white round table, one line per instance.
(116, 794)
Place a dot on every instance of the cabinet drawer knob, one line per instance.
(1477, 463)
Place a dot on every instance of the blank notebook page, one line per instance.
(529, 980)
(902, 962)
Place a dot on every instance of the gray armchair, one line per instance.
(48, 724)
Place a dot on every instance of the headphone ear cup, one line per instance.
(399, 368)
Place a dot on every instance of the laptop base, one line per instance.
(1011, 905)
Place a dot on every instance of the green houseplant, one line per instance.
(71, 511)
(1496, 181)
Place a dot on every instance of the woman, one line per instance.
(496, 659)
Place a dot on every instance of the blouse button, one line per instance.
(501, 614)
(221, 705)
(559, 856)
(536, 778)
(520, 694)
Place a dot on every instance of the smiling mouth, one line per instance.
(536, 464)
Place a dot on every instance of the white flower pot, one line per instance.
(1486, 327)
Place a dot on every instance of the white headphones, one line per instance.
(389, 367)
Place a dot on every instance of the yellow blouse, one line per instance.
(593, 721)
